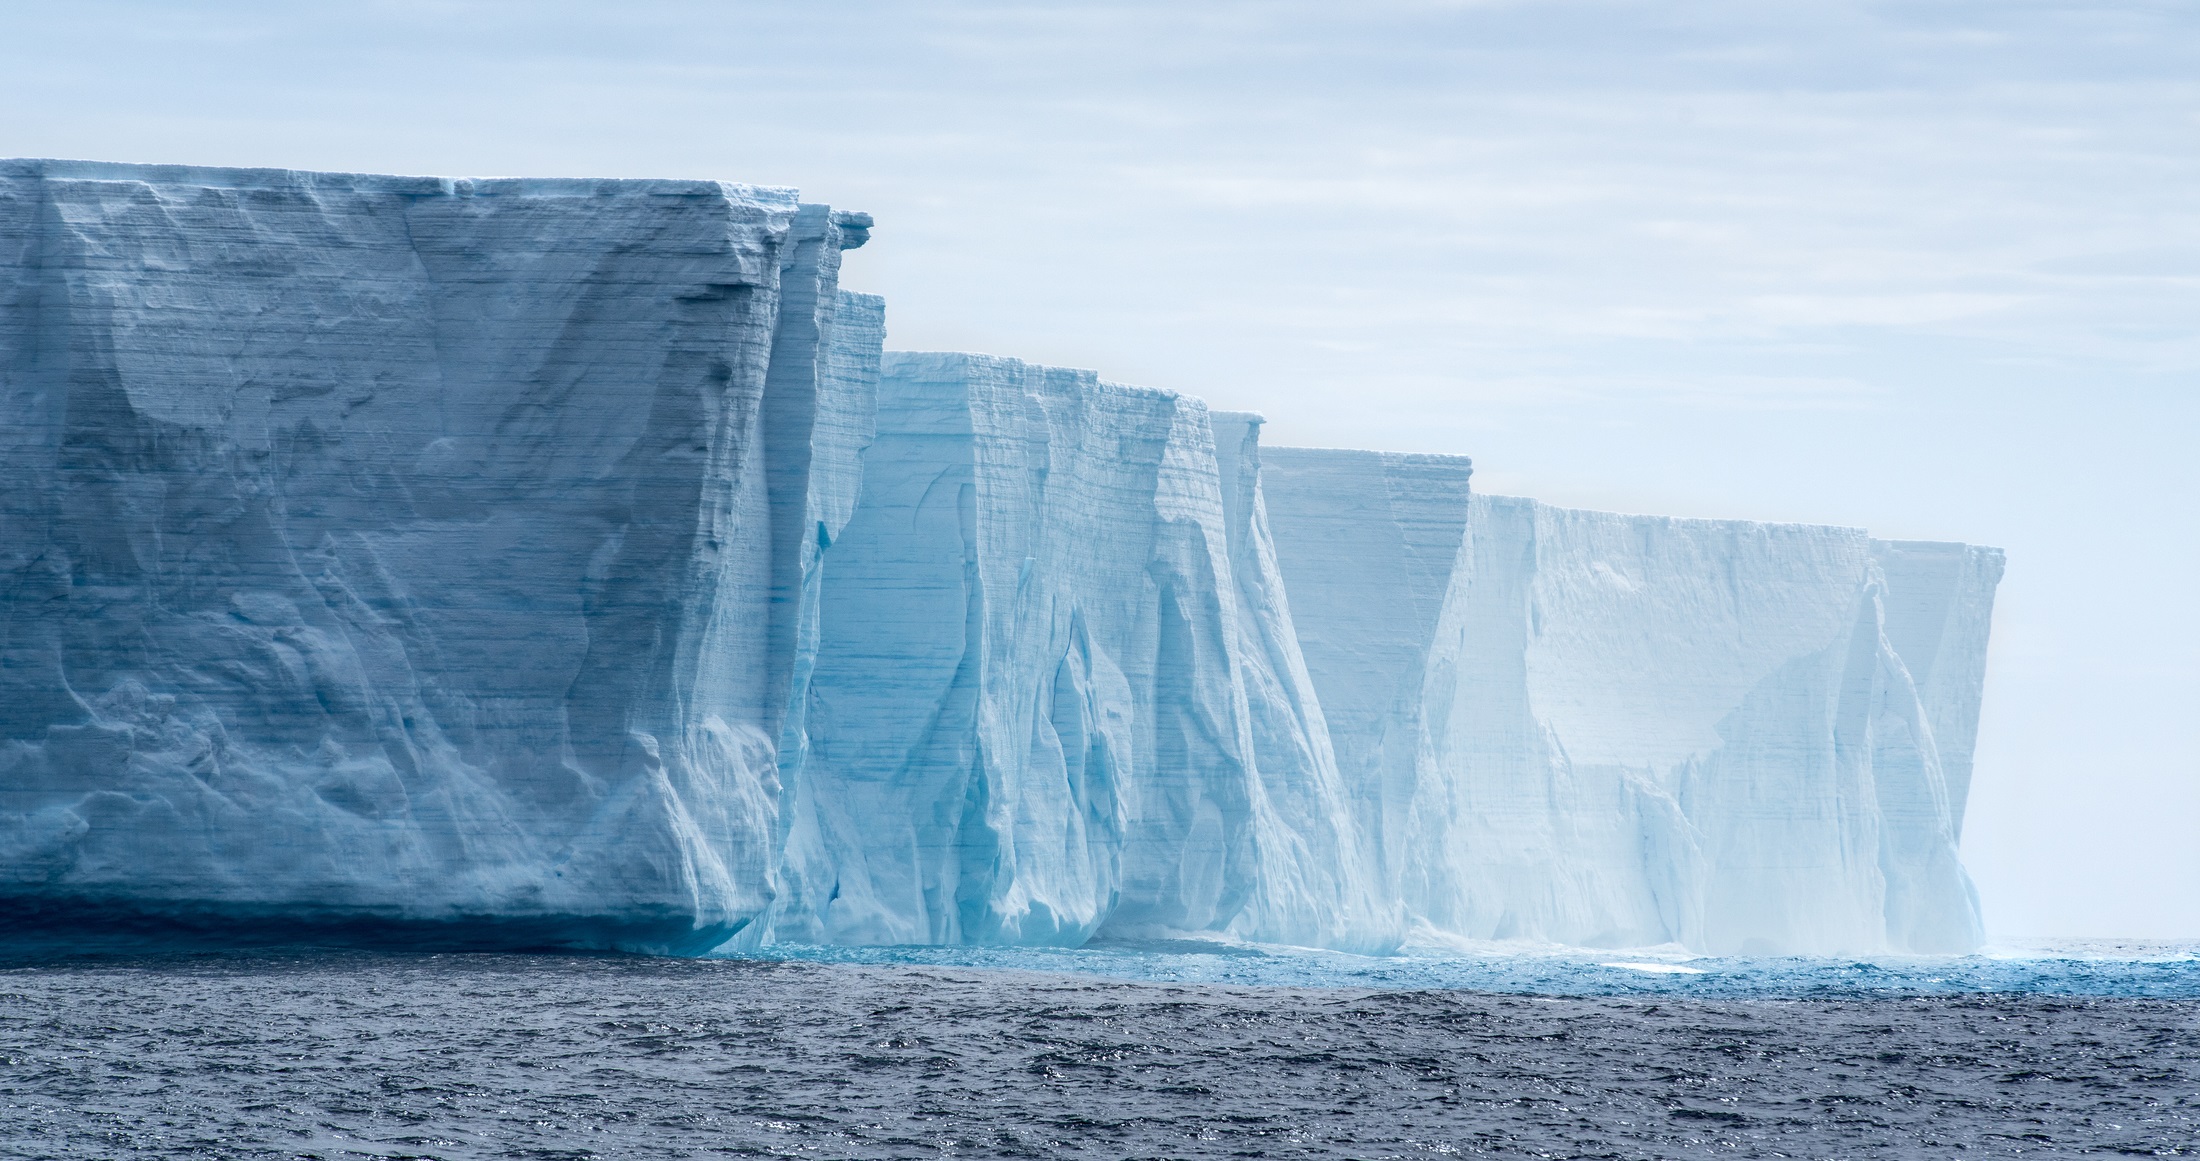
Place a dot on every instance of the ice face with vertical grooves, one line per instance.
(1642, 730)
(1320, 884)
(1029, 712)
(845, 390)
(394, 557)
(561, 563)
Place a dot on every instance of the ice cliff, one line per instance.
(406, 551)
(562, 563)
(1594, 729)
(1056, 691)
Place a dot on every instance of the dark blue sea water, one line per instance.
(1153, 1050)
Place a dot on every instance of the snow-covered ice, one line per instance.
(562, 562)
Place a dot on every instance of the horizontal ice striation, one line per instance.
(1598, 729)
(1044, 702)
(406, 555)
(561, 563)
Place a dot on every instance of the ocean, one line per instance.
(1162, 1050)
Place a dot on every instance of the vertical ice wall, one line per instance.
(544, 562)
(1369, 545)
(1322, 879)
(843, 420)
(1028, 715)
(817, 419)
(1667, 714)
(1936, 605)
(1939, 604)
(401, 550)
(1636, 730)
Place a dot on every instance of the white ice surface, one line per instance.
(1634, 730)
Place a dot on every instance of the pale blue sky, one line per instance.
(1927, 268)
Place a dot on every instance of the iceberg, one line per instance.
(374, 548)
(1605, 730)
(1053, 692)
(565, 563)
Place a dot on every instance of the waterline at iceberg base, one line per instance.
(563, 563)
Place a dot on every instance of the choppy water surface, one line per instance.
(1124, 1052)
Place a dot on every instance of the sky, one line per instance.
(1928, 268)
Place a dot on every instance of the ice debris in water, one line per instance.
(562, 563)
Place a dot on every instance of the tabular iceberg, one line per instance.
(564, 563)
(375, 548)
(1607, 730)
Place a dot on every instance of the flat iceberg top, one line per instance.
(1338, 457)
(957, 367)
(1709, 523)
(228, 177)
